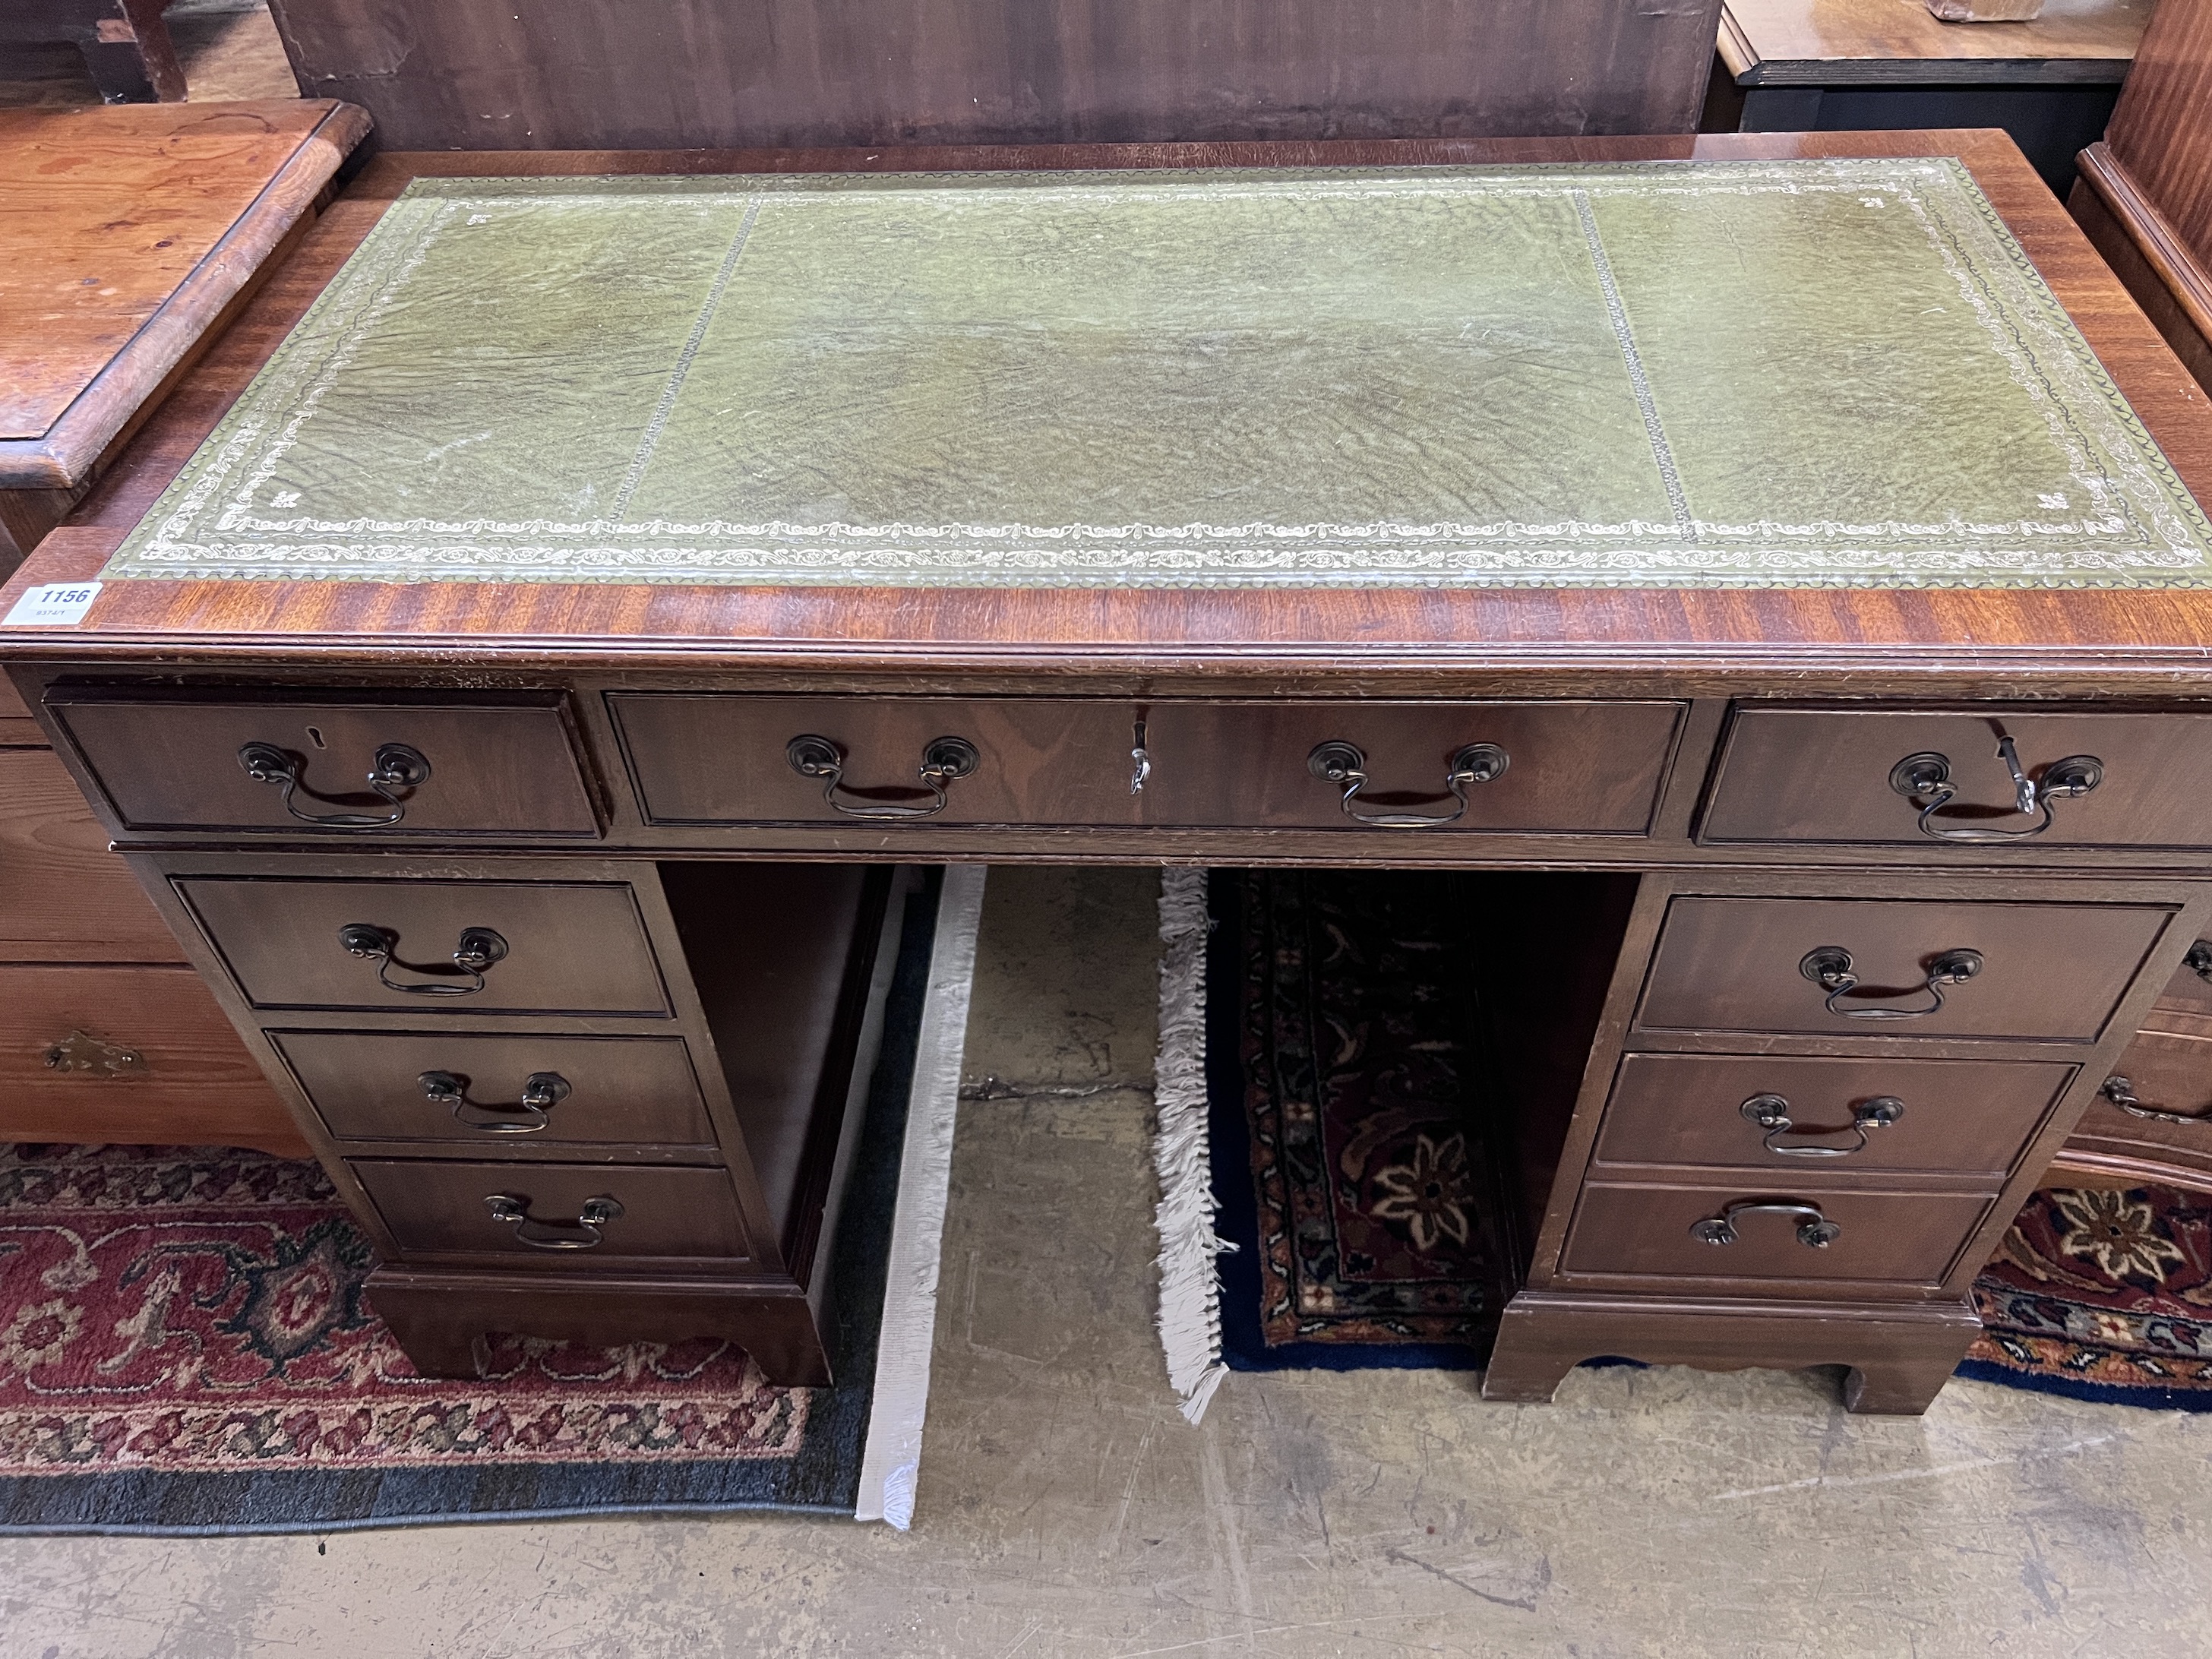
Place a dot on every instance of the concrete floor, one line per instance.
(1065, 1510)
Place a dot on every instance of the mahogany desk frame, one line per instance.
(1706, 648)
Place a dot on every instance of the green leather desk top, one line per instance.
(1734, 374)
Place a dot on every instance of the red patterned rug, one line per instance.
(2102, 1295)
(183, 1331)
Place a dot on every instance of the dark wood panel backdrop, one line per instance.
(676, 73)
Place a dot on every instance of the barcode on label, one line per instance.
(56, 604)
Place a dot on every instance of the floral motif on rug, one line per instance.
(194, 1308)
(2102, 1294)
(1382, 1218)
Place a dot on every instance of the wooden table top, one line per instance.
(1952, 640)
(125, 231)
(1834, 42)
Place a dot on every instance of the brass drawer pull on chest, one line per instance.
(1829, 966)
(1772, 1114)
(1926, 778)
(473, 956)
(396, 769)
(2199, 960)
(2122, 1093)
(581, 1234)
(1344, 765)
(1814, 1230)
(944, 762)
(541, 1092)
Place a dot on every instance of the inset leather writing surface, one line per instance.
(439, 1209)
(571, 947)
(173, 762)
(2050, 971)
(1893, 1238)
(1589, 768)
(1767, 373)
(367, 1086)
(1970, 1116)
(1824, 774)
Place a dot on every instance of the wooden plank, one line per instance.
(125, 233)
(2162, 132)
(1963, 641)
(64, 896)
(676, 73)
(1837, 43)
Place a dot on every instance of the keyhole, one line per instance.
(315, 736)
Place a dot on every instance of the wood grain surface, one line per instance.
(125, 231)
(1969, 640)
(199, 1086)
(64, 896)
(672, 74)
(1770, 43)
(2161, 131)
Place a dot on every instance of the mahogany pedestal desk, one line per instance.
(1704, 868)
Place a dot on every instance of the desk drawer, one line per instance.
(2166, 1078)
(1824, 774)
(1546, 767)
(2046, 971)
(557, 947)
(537, 1091)
(447, 1209)
(1892, 1239)
(1937, 1116)
(726, 758)
(505, 767)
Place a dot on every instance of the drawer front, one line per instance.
(726, 758)
(1902, 1239)
(1823, 774)
(447, 1209)
(64, 896)
(2048, 971)
(1567, 767)
(1784, 1114)
(506, 767)
(2189, 993)
(493, 1092)
(569, 947)
(2169, 1077)
(135, 1055)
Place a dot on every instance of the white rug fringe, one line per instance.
(1190, 1290)
(892, 1457)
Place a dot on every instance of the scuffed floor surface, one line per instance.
(1067, 1511)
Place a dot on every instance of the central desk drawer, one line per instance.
(1888, 968)
(1784, 1112)
(1542, 768)
(1833, 775)
(495, 1091)
(1894, 1238)
(432, 947)
(331, 764)
(556, 1215)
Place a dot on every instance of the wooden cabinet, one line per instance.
(105, 1035)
